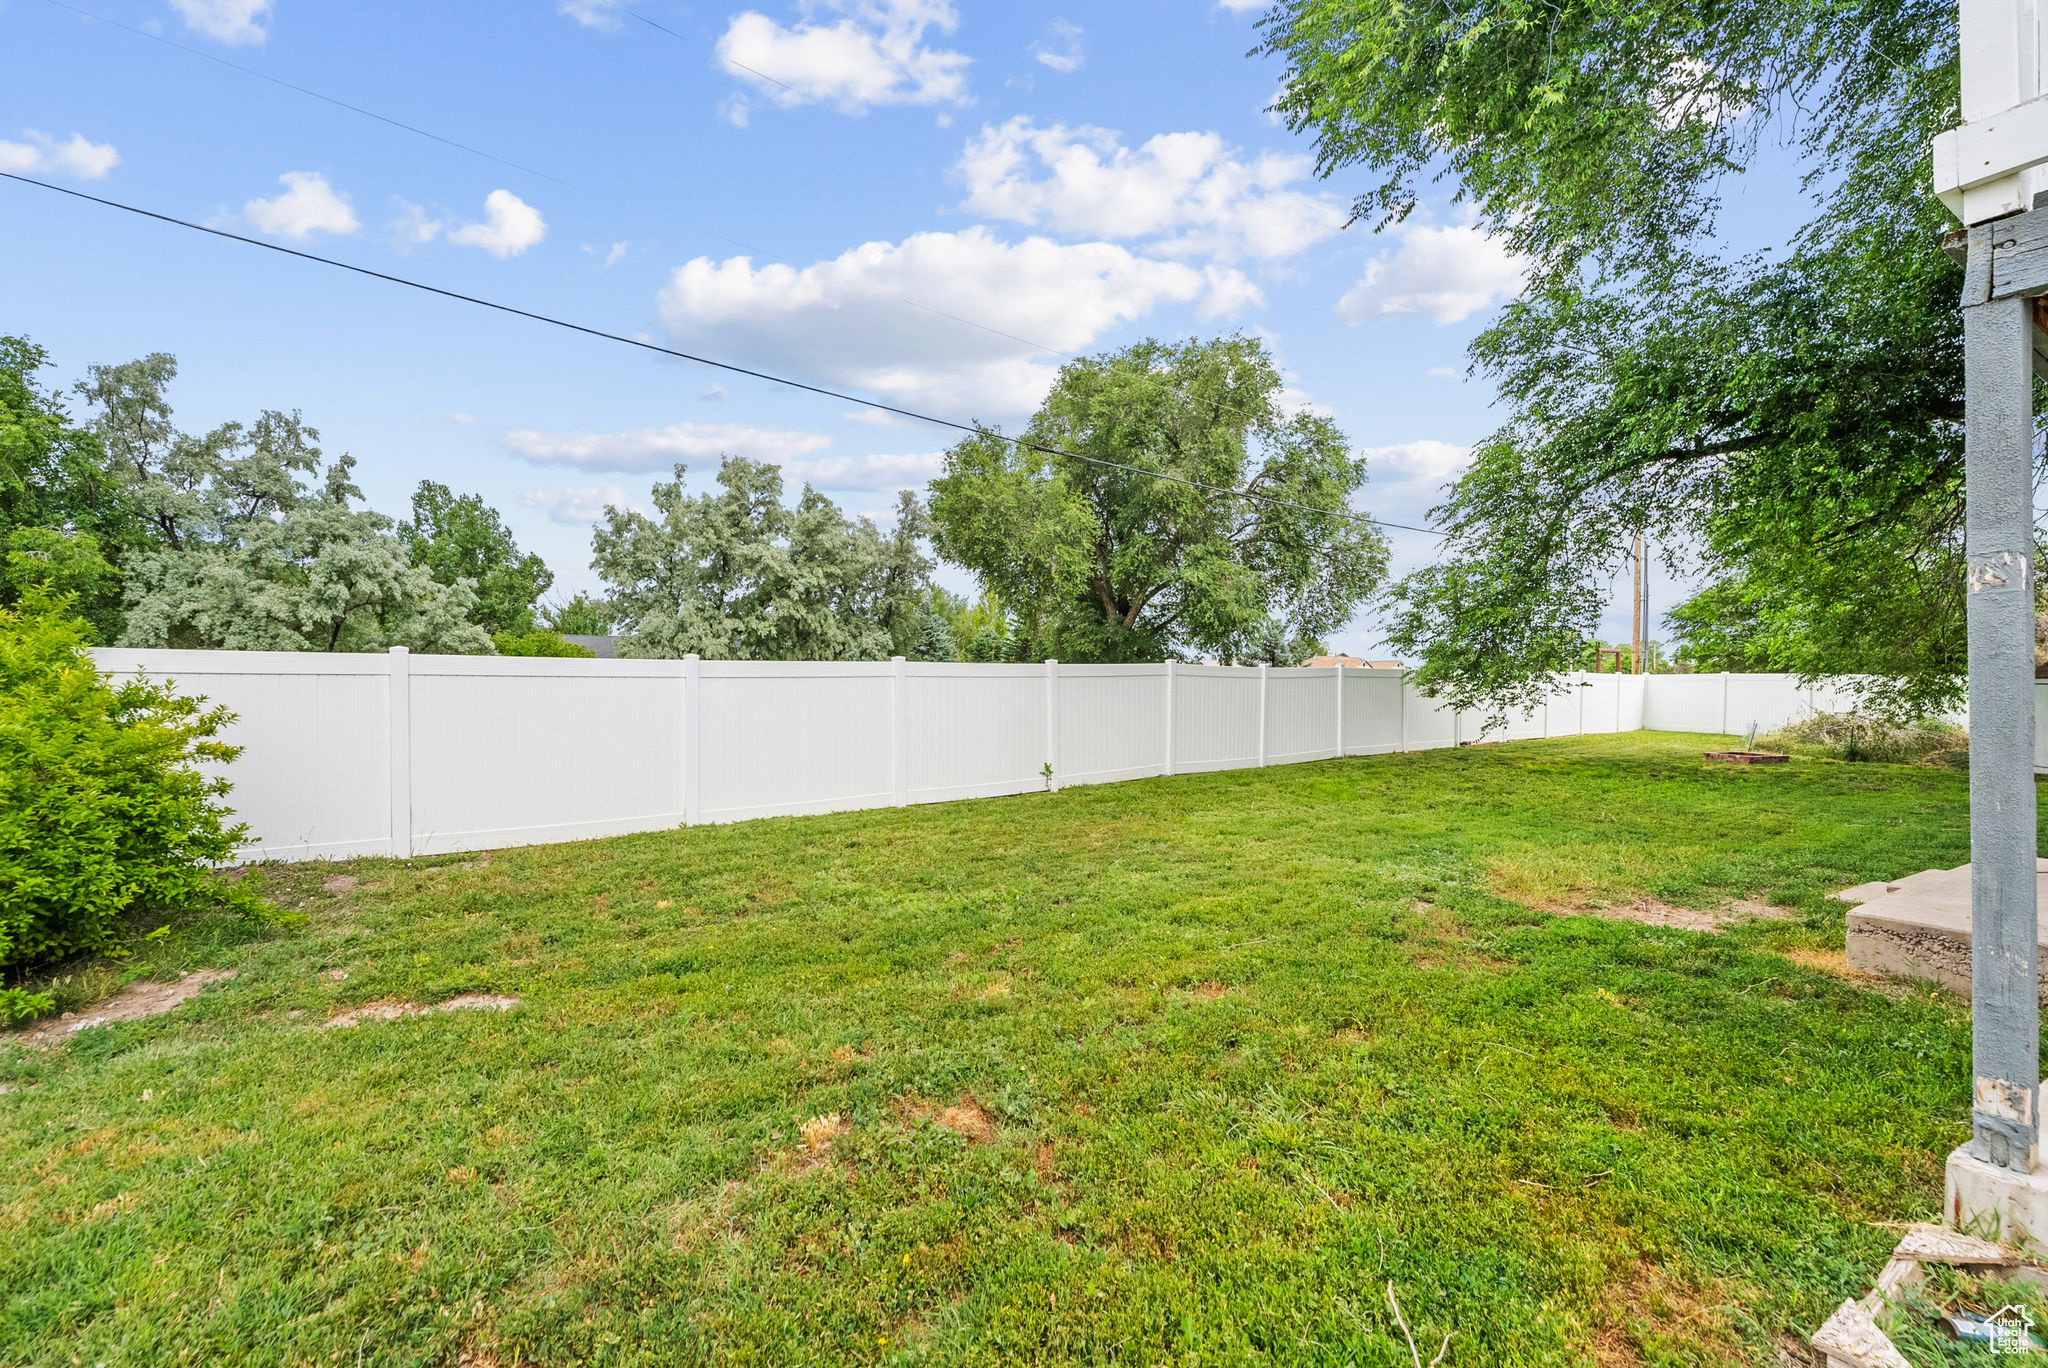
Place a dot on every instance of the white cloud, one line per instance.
(510, 226)
(874, 53)
(42, 154)
(235, 22)
(1060, 49)
(1422, 467)
(466, 419)
(662, 447)
(579, 506)
(413, 227)
(616, 255)
(1447, 273)
(308, 205)
(847, 320)
(878, 473)
(1244, 6)
(1443, 373)
(1190, 192)
(597, 14)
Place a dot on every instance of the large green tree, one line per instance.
(1105, 530)
(251, 540)
(459, 537)
(60, 511)
(739, 574)
(1786, 424)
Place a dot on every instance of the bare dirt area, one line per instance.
(1652, 912)
(393, 1011)
(133, 1003)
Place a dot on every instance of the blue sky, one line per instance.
(811, 189)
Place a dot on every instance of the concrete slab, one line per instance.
(1919, 927)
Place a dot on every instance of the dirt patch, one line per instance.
(388, 1010)
(969, 1119)
(1835, 963)
(1648, 1312)
(1647, 911)
(1208, 991)
(340, 883)
(133, 1003)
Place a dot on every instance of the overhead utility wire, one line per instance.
(631, 13)
(728, 366)
(305, 90)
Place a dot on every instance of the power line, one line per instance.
(727, 366)
(634, 14)
(306, 90)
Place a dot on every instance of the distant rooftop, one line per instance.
(1352, 662)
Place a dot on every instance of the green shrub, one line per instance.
(104, 811)
(539, 643)
(1861, 736)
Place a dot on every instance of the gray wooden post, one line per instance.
(1998, 474)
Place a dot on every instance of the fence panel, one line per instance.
(1768, 700)
(1301, 715)
(1372, 711)
(508, 751)
(350, 755)
(975, 731)
(779, 738)
(1634, 694)
(1425, 724)
(1564, 707)
(314, 779)
(1688, 703)
(1111, 723)
(1215, 717)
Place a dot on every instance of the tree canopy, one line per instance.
(1099, 535)
(249, 539)
(737, 574)
(458, 537)
(1785, 424)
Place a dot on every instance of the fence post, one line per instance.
(1052, 724)
(1724, 702)
(1262, 713)
(401, 751)
(1169, 719)
(899, 732)
(1401, 711)
(693, 739)
(1340, 710)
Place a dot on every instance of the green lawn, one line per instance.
(1176, 1071)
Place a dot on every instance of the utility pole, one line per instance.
(1635, 640)
(1985, 172)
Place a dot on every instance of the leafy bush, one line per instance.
(1861, 736)
(538, 643)
(104, 812)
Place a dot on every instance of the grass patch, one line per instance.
(1183, 1070)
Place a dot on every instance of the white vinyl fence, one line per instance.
(405, 754)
